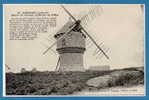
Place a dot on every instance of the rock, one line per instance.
(117, 78)
(100, 81)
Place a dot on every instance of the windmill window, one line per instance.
(83, 35)
(63, 42)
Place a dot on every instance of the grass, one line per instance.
(59, 83)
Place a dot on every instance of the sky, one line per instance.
(119, 27)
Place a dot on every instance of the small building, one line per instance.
(100, 68)
(34, 70)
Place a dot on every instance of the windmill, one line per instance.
(70, 41)
(8, 68)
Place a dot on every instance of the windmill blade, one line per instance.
(95, 43)
(7, 67)
(49, 40)
(68, 13)
(100, 54)
(48, 46)
(97, 50)
(91, 15)
(86, 32)
(66, 33)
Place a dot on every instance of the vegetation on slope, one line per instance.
(64, 83)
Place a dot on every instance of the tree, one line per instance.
(23, 70)
(34, 70)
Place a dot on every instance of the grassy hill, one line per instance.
(65, 83)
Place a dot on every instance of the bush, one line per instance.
(125, 78)
(58, 83)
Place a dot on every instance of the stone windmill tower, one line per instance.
(70, 41)
(71, 48)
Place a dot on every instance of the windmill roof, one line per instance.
(65, 27)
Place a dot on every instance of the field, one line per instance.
(66, 83)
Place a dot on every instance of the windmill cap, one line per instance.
(64, 28)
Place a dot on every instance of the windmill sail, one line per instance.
(95, 43)
(86, 33)
(66, 33)
(91, 15)
(69, 13)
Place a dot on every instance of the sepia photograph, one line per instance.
(74, 50)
